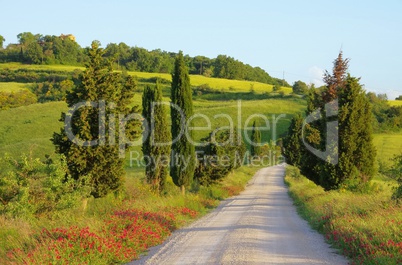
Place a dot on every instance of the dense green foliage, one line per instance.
(100, 161)
(50, 49)
(52, 91)
(293, 142)
(365, 227)
(16, 99)
(386, 117)
(299, 87)
(183, 151)
(31, 188)
(220, 153)
(255, 145)
(156, 138)
(349, 157)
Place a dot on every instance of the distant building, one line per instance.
(69, 36)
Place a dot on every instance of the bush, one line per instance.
(293, 172)
(218, 157)
(32, 188)
(17, 99)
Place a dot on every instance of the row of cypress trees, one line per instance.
(341, 156)
(95, 152)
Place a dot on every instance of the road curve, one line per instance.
(259, 226)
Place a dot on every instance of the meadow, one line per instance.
(388, 145)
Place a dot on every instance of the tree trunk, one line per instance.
(183, 189)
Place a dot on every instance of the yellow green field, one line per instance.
(12, 86)
(395, 102)
(16, 66)
(225, 85)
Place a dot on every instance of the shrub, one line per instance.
(33, 188)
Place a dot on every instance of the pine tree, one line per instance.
(255, 145)
(183, 151)
(156, 139)
(99, 161)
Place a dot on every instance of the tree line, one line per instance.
(50, 49)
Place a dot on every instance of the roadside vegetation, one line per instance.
(364, 226)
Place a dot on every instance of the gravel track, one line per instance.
(259, 226)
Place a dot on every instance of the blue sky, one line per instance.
(301, 38)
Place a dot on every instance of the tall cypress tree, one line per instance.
(255, 148)
(183, 152)
(293, 143)
(155, 146)
(100, 161)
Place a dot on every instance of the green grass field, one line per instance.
(13, 86)
(28, 129)
(388, 145)
(395, 102)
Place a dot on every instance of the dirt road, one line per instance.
(260, 226)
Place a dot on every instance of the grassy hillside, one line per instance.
(221, 84)
(388, 145)
(28, 129)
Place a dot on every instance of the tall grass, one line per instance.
(365, 227)
(114, 229)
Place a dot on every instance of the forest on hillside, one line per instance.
(50, 49)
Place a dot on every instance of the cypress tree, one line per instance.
(355, 149)
(255, 147)
(155, 146)
(100, 162)
(183, 152)
(293, 143)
